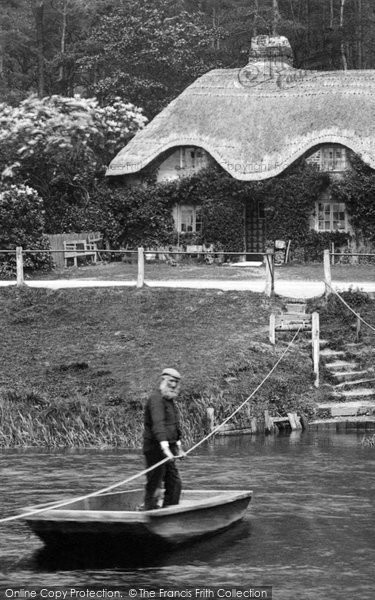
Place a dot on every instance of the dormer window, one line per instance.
(330, 158)
(192, 158)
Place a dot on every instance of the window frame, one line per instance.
(330, 158)
(182, 225)
(325, 203)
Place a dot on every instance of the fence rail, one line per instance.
(141, 254)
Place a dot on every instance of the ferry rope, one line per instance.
(51, 506)
(350, 308)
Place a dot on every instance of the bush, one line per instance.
(22, 222)
(60, 146)
(315, 243)
(132, 216)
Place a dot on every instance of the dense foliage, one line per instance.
(132, 216)
(147, 51)
(151, 49)
(221, 199)
(22, 224)
(60, 146)
(357, 190)
(288, 200)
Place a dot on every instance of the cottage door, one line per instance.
(255, 229)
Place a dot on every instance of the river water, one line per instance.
(308, 532)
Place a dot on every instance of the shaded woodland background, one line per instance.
(78, 78)
(148, 51)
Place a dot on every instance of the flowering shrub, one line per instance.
(22, 222)
(60, 146)
(59, 128)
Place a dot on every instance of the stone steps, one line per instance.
(348, 422)
(353, 396)
(350, 376)
(296, 307)
(341, 364)
(352, 383)
(347, 409)
(356, 393)
(328, 353)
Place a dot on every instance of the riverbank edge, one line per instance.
(30, 417)
(27, 424)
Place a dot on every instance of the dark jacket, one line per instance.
(161, 422)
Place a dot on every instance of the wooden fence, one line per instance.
(58, 254)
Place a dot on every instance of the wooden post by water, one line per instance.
(315, 345)
(294, 421)
(141, 268)
(19, 264)
(210, 418)
(268, 422)
(270, 270)
(327, 273)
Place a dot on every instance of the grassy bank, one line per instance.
(192, 269)
(78, 364)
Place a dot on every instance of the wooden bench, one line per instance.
(77, 249)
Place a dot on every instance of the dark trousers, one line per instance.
(167, 473)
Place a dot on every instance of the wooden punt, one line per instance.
(113, 518)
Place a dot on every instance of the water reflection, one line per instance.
(308, 530)
(126, 558)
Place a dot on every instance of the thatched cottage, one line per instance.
(255, 121)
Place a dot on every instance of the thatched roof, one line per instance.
(255, 124)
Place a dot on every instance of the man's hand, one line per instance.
(166, 450)
(181, 453)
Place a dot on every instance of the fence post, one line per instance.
(141, 268)
(19, 264)
(315, 345)
(327, 273)
(272, 328)
(358, 328)
(270, 269)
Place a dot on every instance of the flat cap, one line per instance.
(171, 373)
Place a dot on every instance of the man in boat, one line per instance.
(162, 439)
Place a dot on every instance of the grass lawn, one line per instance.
(193, 270)
(103, 350)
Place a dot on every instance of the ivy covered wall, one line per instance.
(357, 190)
(289, 200)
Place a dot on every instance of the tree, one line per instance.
(60, 146)
(38, 11)
(147, 53)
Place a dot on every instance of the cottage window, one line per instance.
(330, 158)
(331, 216)
(192, 158)
(189, 219)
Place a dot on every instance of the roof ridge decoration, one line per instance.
(257, 120)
